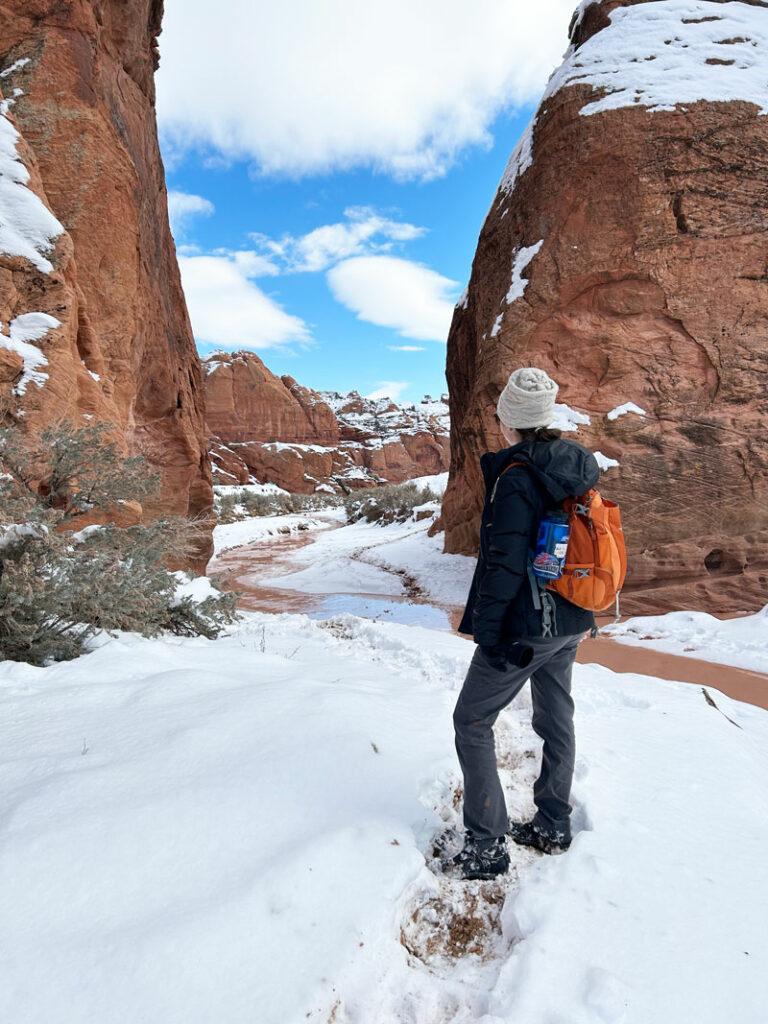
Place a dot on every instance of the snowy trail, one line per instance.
(250, 831)
(398, 573)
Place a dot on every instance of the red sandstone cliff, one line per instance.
(80, 78)
(626, 253)
(276, 431)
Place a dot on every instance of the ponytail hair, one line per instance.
(539, 433)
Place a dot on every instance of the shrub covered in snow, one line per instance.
(235, 503)
(393, 504)
(59, 585)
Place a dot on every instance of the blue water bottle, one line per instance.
(551, 546)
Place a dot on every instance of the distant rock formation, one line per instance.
(626, 253)
(94, 322)
(273, 430)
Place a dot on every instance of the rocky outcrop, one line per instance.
(94, 319)
(245, 402)
(274, 430)
(625, 253)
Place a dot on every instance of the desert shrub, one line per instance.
(391, 504)
(235, 504)
(60, 585)
(226, 507)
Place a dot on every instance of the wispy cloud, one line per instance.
(412, 299)
(363, 231)
(401, 88)
(228, 310)
(406, 348)
(389, 389)
(183, 207)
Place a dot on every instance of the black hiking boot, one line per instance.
(525, 833)
(479, 859)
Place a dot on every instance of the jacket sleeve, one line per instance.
(507, 543)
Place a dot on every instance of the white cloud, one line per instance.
(228, 310)
(182, 207)
(252, 264)
(406, 348)
(389, 389)
(409, 297)
(330, 243)
(305, 87)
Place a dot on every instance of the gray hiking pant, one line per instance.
(485, 692)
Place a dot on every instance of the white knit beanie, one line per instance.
(528, 400)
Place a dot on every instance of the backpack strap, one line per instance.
(501, 474)
(542, 602)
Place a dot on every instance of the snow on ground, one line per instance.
(259, 528)
(437, 484)
(742, 642)
(365, 558)
(242, 830)
(250, 488)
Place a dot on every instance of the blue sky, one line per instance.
(327, 191)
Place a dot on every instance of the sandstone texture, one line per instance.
(273, 430)
(94, 322)
(626, 253)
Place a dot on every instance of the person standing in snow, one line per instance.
(514, 644)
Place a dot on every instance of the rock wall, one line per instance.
(273, 430)
(626, 253)
(79, 87)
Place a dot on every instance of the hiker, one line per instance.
(516, 639)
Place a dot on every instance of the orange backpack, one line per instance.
(596, 559)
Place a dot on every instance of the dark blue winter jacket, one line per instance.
(500, 606)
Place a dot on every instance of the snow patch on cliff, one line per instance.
(622, 410)
(670, 52)
(604, 462)
(386, 419)
(660, 55)
(568, 419)
(17, 64)
(24, 331)
(27, 226)
(521, 259)
(521, 159)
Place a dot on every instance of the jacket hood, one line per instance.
(563, 468)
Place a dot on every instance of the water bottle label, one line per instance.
(547, 565)
(560, 549)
